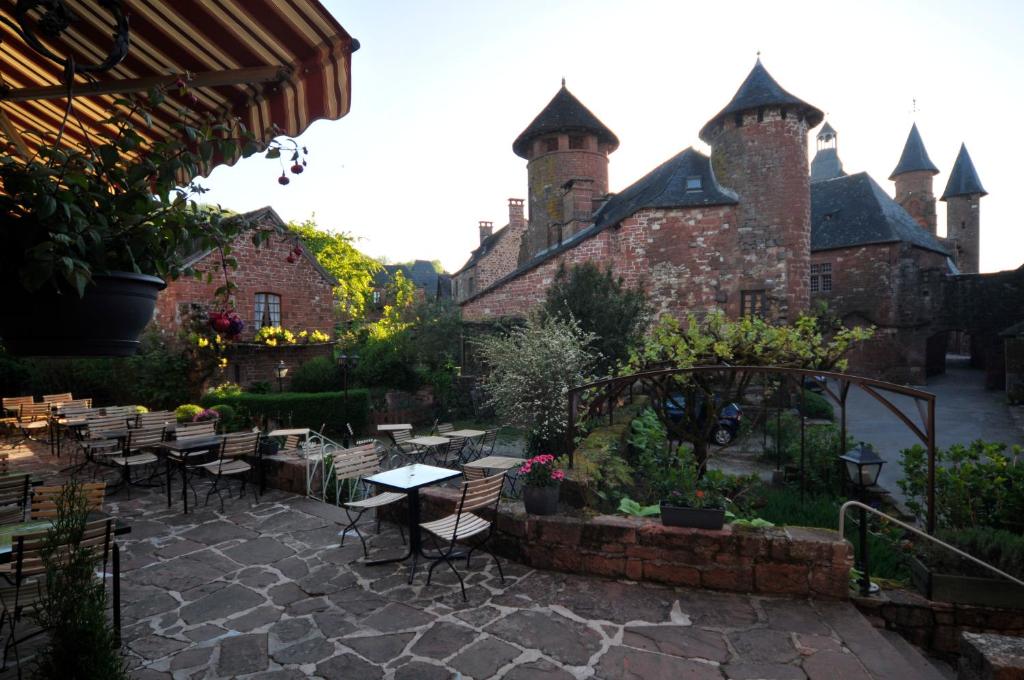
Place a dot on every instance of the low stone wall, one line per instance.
(791, 561)
(937, 626)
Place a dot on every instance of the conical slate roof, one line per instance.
(914, 156)
(963, 181)
(564, 113)
(760, 89)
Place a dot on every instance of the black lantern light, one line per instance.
(863, 465)
(281, 370)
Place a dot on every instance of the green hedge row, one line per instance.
(302, 409)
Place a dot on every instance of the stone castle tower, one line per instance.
(963, 211)
(913, 177)
(826, 163)
(567, 149)
(759, 150)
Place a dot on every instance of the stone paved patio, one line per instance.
(264, 591)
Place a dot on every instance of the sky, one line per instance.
(440, 89)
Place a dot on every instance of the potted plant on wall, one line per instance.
(90, 234)
(696, 502)
(541, 483)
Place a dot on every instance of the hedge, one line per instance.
(302, 409)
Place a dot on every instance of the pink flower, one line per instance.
(526, 468)
(558, 475)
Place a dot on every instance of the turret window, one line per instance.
(821, 277)
(551, 144)
(577, 142)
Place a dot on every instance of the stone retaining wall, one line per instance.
(793, 561)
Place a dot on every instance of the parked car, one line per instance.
(729, 418)
(816, 383)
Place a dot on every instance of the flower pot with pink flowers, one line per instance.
(541, 480)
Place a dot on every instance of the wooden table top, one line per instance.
(465, 433)
(429, 440)
(496, 463)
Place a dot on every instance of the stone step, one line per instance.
(927, 667)
(877, 653)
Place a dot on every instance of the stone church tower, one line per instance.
(963, 211)
(567, 149)
(759, 150)
(913, 177)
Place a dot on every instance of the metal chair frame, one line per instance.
(233, 449)
(351, 467)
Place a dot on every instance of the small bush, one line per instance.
(304, 409)
(226, 414)
(1002, 549)
(316, 375)
(187, 412)
(817, 406)
(224, 390)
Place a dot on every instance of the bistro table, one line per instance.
(180, 450)
(469, 436)
(409, 480)
(394, 427)
(428, 442)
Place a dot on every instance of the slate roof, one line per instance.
(914, 156)
(963, 180)
(855, 211)
(666, 187)
(564, 113)
(760, 89)
(826, 165)
(422, 275)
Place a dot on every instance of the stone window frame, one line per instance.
(821, 277)
(267, 307)
(754, 303)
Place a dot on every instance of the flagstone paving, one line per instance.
(263, 590)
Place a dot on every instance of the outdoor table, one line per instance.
(470, 436)
(183, 448)
(428, 442)
(393, 428)
(300, 431)
(409, 480)
(499, 463)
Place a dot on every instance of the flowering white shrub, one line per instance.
(531, 371)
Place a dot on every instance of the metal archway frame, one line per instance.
(608, 391)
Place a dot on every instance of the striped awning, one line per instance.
(276, 64)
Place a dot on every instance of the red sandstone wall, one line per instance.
(307, 300)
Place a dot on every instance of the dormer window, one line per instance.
(551, 144)
(693, 183)
(577, 142)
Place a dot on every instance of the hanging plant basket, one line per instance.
(228, 323)
(106, 321)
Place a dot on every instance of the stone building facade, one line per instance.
(751, 229)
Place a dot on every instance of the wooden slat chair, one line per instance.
(154, 418)
(123, 412)
(11, 409)
(358, 442)
(444, 428)
(71, 404)
(44, 499)
(14, 497)
(26, 575)
(234, 449)
(463, 524)
(487, 443)
(206, 428)
(399, 454)
(139, 449)
(33, 420)
(57, 398)
(93, 443)
(453, 455)
(473, 473)
(351, 467)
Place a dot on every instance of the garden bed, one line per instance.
(966, 589)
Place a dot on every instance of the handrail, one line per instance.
(961, 553)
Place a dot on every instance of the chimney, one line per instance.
(486, 229)
(515, 212)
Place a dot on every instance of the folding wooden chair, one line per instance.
(44, 499)
(351, 467)
(14, 497)
(358, 442)
(453, 455)
(234, 449)
(154, 418)
(57, 398)
(473, 473)
(139, 449)
(11, 409)
(463, 524)
(206, 428)
(33, 419)
(94, 441)
(400, 454)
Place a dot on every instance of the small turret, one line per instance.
(963, 211)
(913, 176)
(826, 163)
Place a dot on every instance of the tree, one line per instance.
(717, 341)
(531, 371)
(602, 305)
(336, 253)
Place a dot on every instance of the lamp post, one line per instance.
(281, 370)
(863, 465)
(346, 362)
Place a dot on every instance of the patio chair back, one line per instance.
(30, 413)
(239, 444)
(144, 438)
(472, 473)
(123, 412)
(44, 499)
(14, 495)
(4, 462)
(99, 424)
(72, 404)
(356, 463)
(152, 418)
(78, 410)
(401, 436)
(479, 493)
(442, 428)
(14, 404)
(490, 438)
(453, 453)
(27, 549)
(204, 429)
(57, 398)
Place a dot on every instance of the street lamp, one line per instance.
(281, 370)
(863, 465)
(346, 362)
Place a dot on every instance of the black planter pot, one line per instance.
(695, 518)
(106, 321)
(541, 500)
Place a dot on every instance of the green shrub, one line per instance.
(186, 412)
(304, 409)
(259, 387)
(225, 390)
(822, 474)
(316, 375)
(818, 406)
(228, 417)
(388, 362)
(1002, 549)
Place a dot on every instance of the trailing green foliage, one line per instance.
(628, 506)
(604, 475)
(602, 305)
(975, 485)
(319, 374)
(80, 642)
(302, 409)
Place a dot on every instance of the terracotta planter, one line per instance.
(696, 518)
(541, 500)
(106, 321)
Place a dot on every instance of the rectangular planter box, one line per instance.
(696, 518)
(973, 590)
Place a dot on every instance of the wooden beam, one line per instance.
(238, 76)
